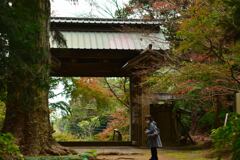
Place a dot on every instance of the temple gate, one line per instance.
(111, 48)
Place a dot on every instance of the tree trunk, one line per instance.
(27, 113)
(29, 124)
(218, 106)
(194, 118)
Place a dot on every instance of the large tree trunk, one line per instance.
(27, 114)
(29, 124)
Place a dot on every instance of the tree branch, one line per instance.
(111, 89)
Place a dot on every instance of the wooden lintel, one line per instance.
(98, 27)
(83, 62)
(94, 53)
(88, 74)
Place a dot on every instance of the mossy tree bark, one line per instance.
(27, 114)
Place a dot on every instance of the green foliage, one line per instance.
(2, 113)
(119, 86)
(63, 136)
(21, 29)
(68, 87)
(62, 106)
(187, 154)
(211, 30)
(91, 91)
(207, 120)
(88, 155)
(88, 126)
(67, 82)
(191, 78)
(90, 106)
(203, 71)
(53, 158)
(228, 137)
(8, 148)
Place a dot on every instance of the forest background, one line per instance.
(202, 69)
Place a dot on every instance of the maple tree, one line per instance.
(204, 67)
(120, 121)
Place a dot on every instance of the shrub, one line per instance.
(228, 137)
(88, 155)
(8, 148)
(2, 113)
(207, 120)
(65, 137)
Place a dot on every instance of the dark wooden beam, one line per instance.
(91, 66)
(89, 74)
(83, 62)
(91, 27)
(94, 53)
(89, 69)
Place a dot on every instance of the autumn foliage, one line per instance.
(120, 120)
(93, 84)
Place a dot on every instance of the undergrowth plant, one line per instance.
(88, 155)
(227, 138)
(8, 148)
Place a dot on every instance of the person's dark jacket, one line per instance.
(153, 135)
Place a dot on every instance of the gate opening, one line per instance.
(90, 109)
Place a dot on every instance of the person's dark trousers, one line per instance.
(154, 153)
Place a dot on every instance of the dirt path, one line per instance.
(130, 157)
(121, 153)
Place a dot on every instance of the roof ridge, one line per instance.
(105, 19)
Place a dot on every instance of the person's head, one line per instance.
(148, 119)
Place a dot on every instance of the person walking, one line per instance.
(153, 136)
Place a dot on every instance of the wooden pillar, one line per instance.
(139, 108)
(237, 101)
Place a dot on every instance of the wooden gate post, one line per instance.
(139, 108)
(237, 103)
